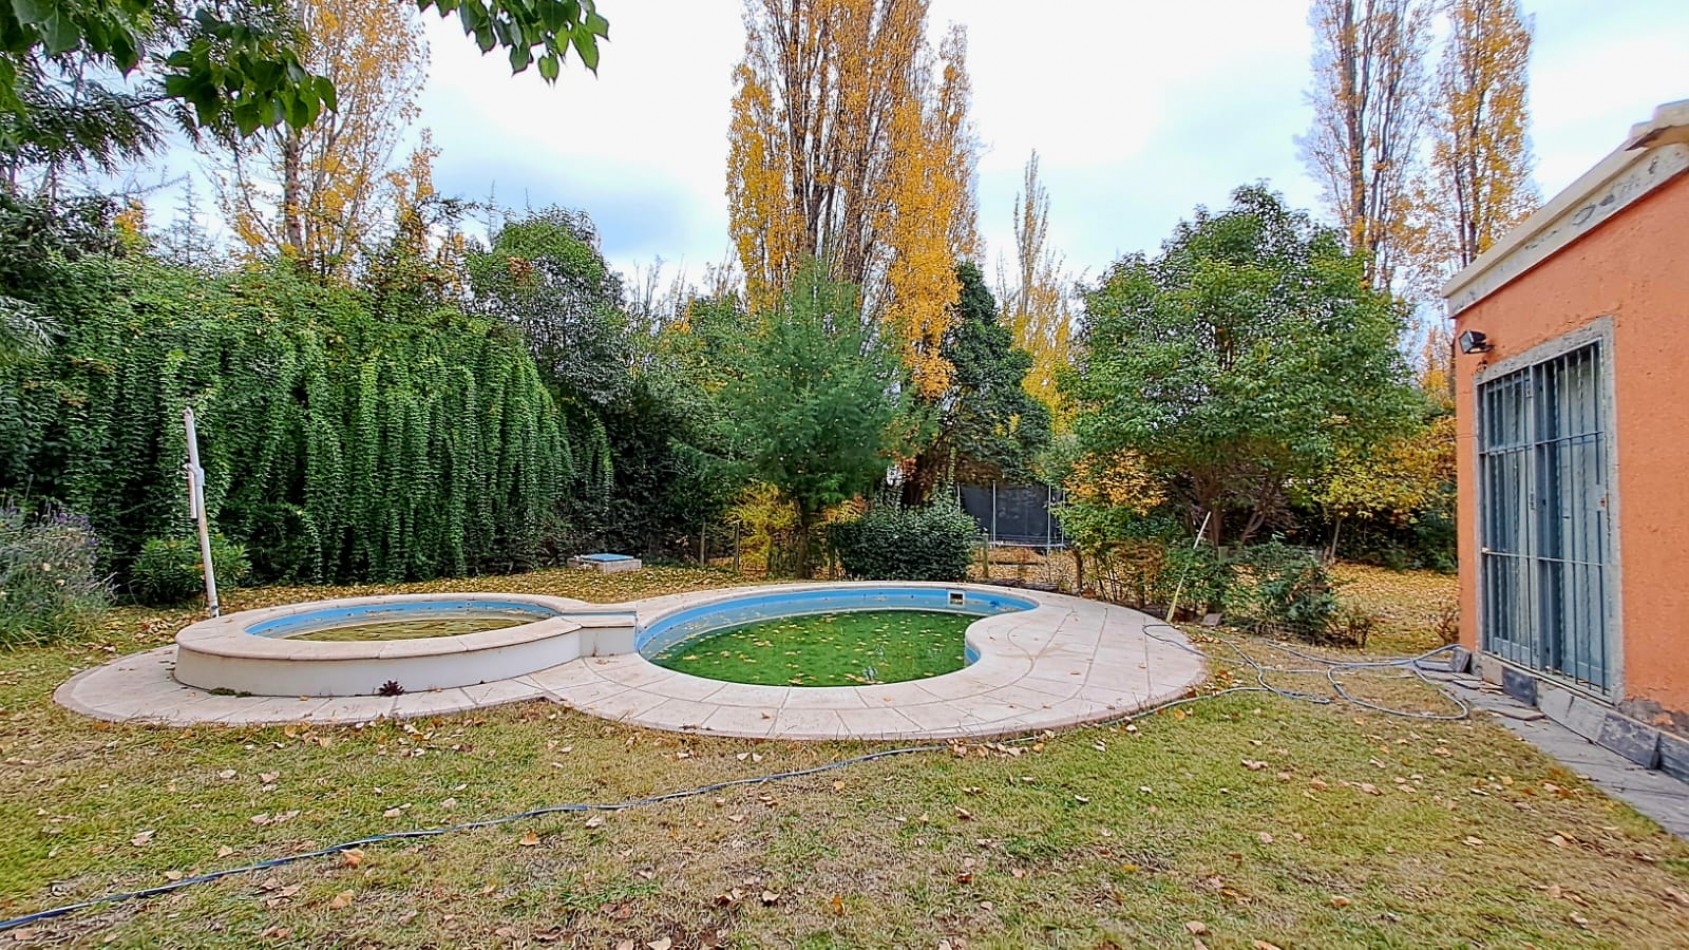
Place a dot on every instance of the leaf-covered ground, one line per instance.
(1243, 821)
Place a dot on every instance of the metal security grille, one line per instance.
(1543, 513)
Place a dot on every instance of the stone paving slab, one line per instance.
(1653, 793)
(1067, 661)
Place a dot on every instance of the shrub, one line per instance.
(896, 543)
(167, 572)
(1351, 626)
(50, 582)
(1147, 573)
(1282, 589)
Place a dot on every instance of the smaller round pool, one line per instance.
(406, 643)
(402, 621)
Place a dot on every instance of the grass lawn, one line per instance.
(1244, 821)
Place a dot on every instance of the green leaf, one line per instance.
(586, 45)
(60, 33)
(549, 67)
(34, 12)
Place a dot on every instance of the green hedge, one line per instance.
(894, 543)
(337, 445)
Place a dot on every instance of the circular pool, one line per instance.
(364, 646)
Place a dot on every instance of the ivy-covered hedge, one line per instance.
(337, 446)
(892, 542)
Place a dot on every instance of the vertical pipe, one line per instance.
(196, 504)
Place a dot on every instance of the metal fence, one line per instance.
(1016, 515)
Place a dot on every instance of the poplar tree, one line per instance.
(1369, 100)
(850, 143)
(1479, 182)
(307, 193)
(1035, 305)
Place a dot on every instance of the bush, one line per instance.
(896, 543)
(1351, 626)
(49, 579)
(167, 572)
(1282, 589)
(1145, 574)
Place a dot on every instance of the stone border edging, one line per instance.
(1065, 662)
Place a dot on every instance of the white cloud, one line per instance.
(1140, 111)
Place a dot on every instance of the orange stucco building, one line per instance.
(1572, 397)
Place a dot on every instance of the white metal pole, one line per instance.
(196, 506)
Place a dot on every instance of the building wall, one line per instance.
(1635, 269)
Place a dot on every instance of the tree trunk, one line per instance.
(293, 194)
(806, 525)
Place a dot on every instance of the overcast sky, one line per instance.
(1140, 110)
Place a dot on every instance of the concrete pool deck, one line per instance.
(1065, 662)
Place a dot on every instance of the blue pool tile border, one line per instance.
(310, 620)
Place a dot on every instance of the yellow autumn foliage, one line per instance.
(850, 141)
(310, 194)
(1119, 480)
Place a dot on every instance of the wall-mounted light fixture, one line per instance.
(1472, 341)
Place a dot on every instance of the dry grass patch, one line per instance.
(1255, 817)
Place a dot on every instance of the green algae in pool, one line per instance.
(841, 649)
(412, 629)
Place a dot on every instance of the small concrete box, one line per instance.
(606, 563)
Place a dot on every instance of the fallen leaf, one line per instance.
(268, 777)
(172, 875)
(1265, 838)
(528, 840)
(1195, 928)
(770, 898)
(596, 821)
(225, 851)
(838, 905)
(1264, 945)
(141, 840)
(661, 943)
(1474, 842)
(1340, 902)
(352, 857)
(341, 901)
